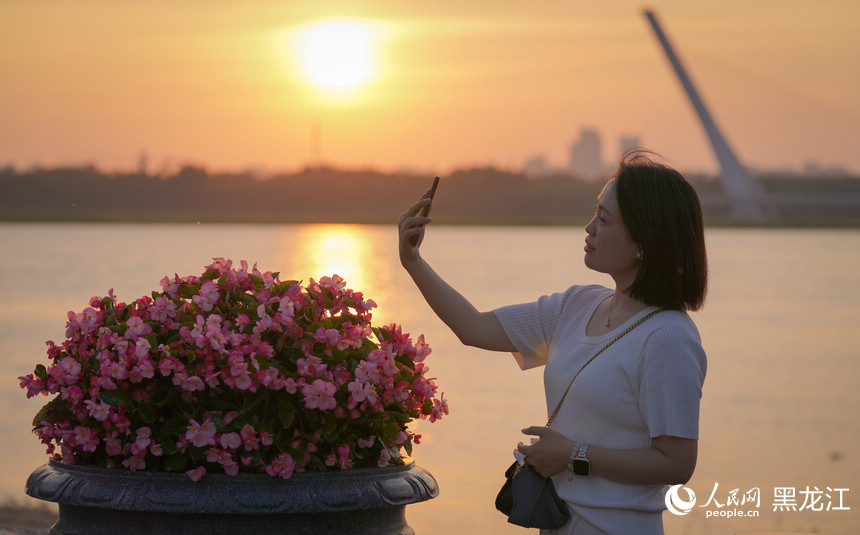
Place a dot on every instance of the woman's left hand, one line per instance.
(550, 454)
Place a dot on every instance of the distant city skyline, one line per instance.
(246, 85)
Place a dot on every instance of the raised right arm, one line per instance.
(472, 327)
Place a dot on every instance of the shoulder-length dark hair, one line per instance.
(664, 217)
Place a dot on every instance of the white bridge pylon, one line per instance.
(749, 200)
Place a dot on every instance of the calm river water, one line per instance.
(781, 400)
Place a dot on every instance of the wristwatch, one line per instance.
(578, 463)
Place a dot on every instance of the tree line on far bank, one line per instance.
(317, 195)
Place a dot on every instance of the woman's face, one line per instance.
(608, 247)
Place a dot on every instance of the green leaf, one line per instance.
(254, 399)
(52, 407)
(405, 360)
(220, 404)
(41, 372)
(286, 411)
(164, 397)
(167, 443)
(175, 463)
(187, 290)
(209, 274)
(115, 397)
(175, 427)
(146, 412)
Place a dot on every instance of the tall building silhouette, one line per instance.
(585, 155)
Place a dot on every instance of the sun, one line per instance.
(338, 55)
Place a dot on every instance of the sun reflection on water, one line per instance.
(325, 250)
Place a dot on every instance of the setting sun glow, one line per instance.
(338, 55)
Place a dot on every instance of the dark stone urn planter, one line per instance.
(96, 501)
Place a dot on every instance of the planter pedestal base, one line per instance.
(102, 501)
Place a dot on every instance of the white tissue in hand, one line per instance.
(519, 456)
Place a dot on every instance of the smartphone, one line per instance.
(435, 185)
(426, 209)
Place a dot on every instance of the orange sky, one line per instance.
(459, 83)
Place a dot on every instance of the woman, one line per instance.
(629, 424)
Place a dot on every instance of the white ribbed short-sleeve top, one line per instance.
(647, 384)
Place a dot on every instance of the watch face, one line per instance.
(580, 467)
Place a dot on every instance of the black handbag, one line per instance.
(527, 498)
(536, 505)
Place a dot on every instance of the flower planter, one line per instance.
(95, 501)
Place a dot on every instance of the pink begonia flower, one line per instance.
(136, 327)
(72, 394)
(117, 370)
(440, 408)
(201, 434)
(266, 438)
(193, 383)
(311, 366)
(249, 437)
(384, 458)
(167, 365)
(207, 297)
(366, 443)
(422, 349)
(327, 336)
(230, 468)
(356, 391)
(145, 368)
(291, 386)
(320, 395)
(343, 457)
(243, 381)
(197, 473)
(32, 384)
(70, 369)
(89, 318)
(229, 417)
(120, 347)
(113, 446)
(142, 347)
(269, 378)
(242, 321)
(286, 306)
(163, 309)
(282, 466)
(98, 409)
(87, 438)
(120, 421)
(169, 286)
(212, 455)
(134, 463)
(105, 383)
(231, 441)
(367, 372)
(401, 392)
(265, 321)
(144, 435)
(156, 449)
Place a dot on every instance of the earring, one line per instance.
(639, 255)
